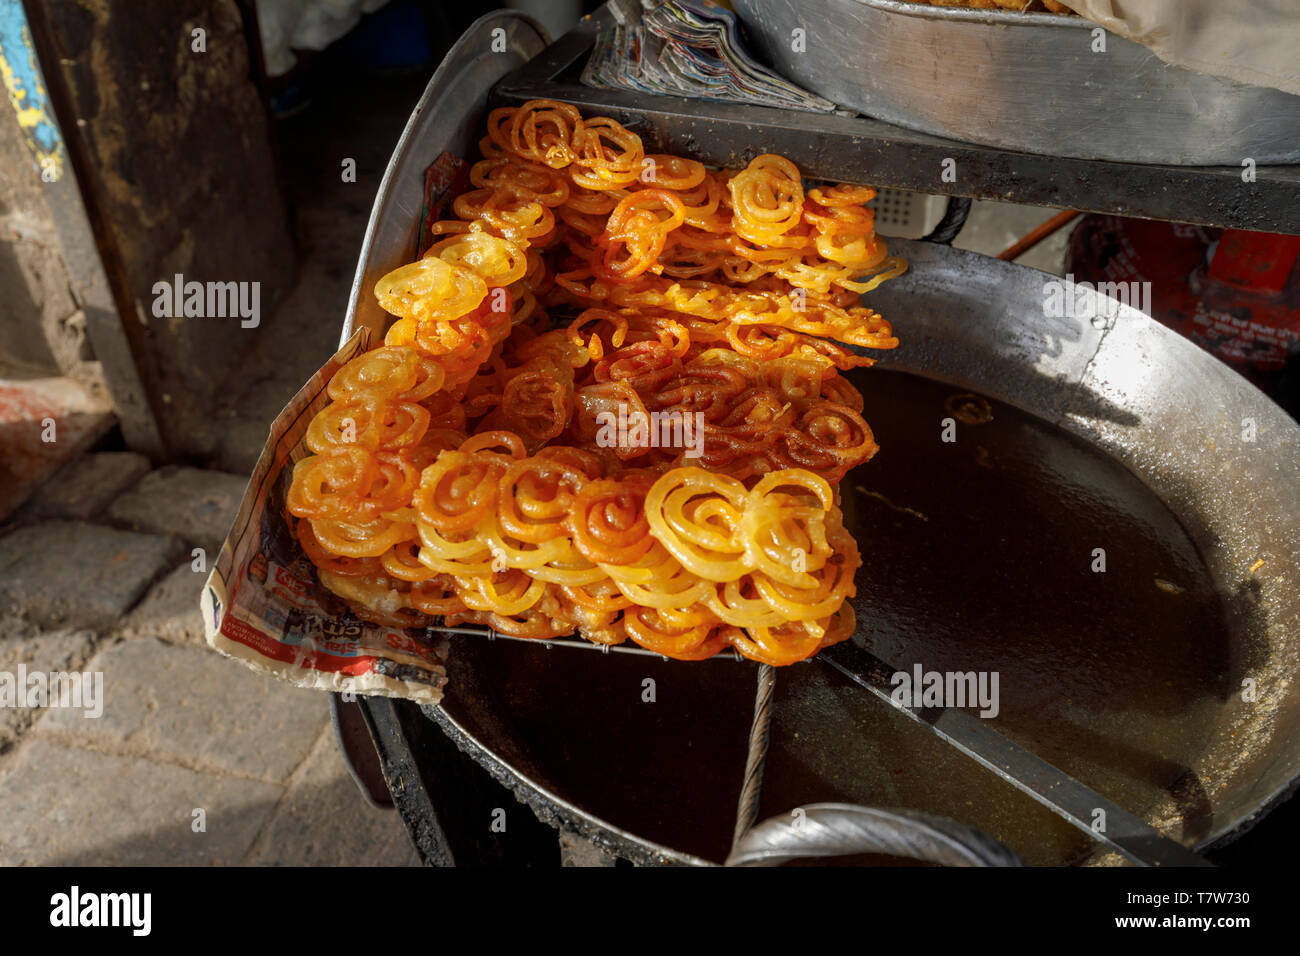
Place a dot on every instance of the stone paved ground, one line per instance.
(96, 574)
(195, 759)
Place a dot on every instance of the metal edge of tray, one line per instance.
(446, 118)
(1028, 82)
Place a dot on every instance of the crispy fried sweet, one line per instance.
(463, 469)
(685, 563)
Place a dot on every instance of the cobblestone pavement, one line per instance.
(98, 574)
(193, 758)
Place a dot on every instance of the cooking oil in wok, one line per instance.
(994, 542)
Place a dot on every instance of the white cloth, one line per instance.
(288, 25)
(1247, 41)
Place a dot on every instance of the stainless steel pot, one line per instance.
(1023, 81)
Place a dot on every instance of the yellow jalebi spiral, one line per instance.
(696, 516)
(767, 199)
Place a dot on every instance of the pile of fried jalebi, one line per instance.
(609, 404)
(684, 562)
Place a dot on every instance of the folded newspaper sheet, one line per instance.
(688, 48)
(264, 606)
(263, 603)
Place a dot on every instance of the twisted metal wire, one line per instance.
(760, 732)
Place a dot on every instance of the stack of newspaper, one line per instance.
(688, 48)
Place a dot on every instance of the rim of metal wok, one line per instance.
(1031, 363)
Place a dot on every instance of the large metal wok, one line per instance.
(1108, 432)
